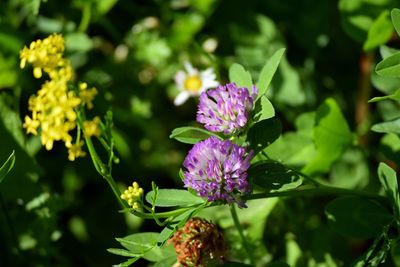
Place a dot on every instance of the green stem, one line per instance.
(111, 182)
(85, 20)
(160, 215)
(245, 242)
(102, 170)
(321, 190)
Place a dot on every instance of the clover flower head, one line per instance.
(132, 195)
(198, 243)
(226, 108)
(193, 82)
(217, 170)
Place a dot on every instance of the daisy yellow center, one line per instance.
(193, 83)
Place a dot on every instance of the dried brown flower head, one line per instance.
(198, 242)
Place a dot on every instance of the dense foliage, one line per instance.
(288, 157)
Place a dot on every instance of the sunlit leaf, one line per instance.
(380, 32)
(390, 66)
(123, 252)
(173, 197)
(395, 96)
(268, 71)
(139, 243)
(166, 262)
(392, 126)
(388, 179)
(395, 14)
(240, 76)
(263, 109)
(127, 263)
(190, 135)
(158, 253)
(331, 136)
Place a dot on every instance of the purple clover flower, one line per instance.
(217, 170)
(226, 108)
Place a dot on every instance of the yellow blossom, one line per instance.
(75, 151)
(53, 109)
(31, 125)
(132, 195)
(87, 94)
(46, 54)
(91, 128)
(54, 106)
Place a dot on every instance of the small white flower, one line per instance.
(193, 82)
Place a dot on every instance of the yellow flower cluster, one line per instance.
(54, 106)
(132, 195)
(47, 55)
(91, 128)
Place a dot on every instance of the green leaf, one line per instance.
(351, 170)
(331, 136)
(357, 217)
(388, 179)
(8, 71)
(268, 71)
(9, 41)
(380, 32)
(273, 176)
(184, 28)
(395, 14)
(288, 88)
(123, 252)
(78, 41)
(7, 166)
(292, 148)
(127, 263)
(263, 133)
(173, 198)
(263, 109)
(240, 76)
(49, 25)
(190, 135)
(166, 262)
(392, 126)
(139, 243)
(390, 66)
(386, 51)
(159, 253)
(395, 96)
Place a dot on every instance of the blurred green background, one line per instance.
(59, 213)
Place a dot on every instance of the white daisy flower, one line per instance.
(193, 82)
